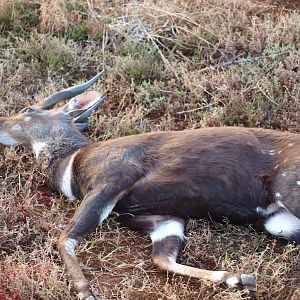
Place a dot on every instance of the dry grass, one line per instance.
(169, 67)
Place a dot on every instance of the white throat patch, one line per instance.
(38, 147)
(65, 184)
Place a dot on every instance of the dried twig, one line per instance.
(195, 109)
(160, 52)
(239, 61)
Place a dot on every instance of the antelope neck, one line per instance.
(58, 162)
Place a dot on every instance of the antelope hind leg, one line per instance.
(167, 233)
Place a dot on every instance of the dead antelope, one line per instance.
(155, 181)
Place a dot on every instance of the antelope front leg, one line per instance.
(66, 250)
(93, 210)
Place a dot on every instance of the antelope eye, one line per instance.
(29, 109)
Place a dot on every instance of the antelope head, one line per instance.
(53, 130)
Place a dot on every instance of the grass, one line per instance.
(169, 66)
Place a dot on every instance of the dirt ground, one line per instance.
(170, 65)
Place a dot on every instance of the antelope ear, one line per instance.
(82, 106)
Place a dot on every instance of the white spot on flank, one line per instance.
(65, 184)
(298, 182)
(283, 174)
(283, 223)
(291, 144)
(38, 147)
(279, 151)
(276, 167)
(16, 127)
(27, 119)
(272, 152)
(70, 246)
(278, 195)
(167, 228)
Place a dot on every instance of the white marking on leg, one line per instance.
(81, 297)
(38, 147)
(167, 228)
(106, 211)
(280, 204)
(65, 184)
(232, 281)
(218, 276)
(269, 210)
(70, 246)
(283, 224)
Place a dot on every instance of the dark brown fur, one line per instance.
(220, 172)
(152, 179)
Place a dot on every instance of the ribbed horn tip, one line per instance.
(69, 93)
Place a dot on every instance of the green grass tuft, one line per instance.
(78, 33)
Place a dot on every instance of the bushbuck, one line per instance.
(156, 181)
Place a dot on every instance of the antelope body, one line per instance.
(156, 181)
